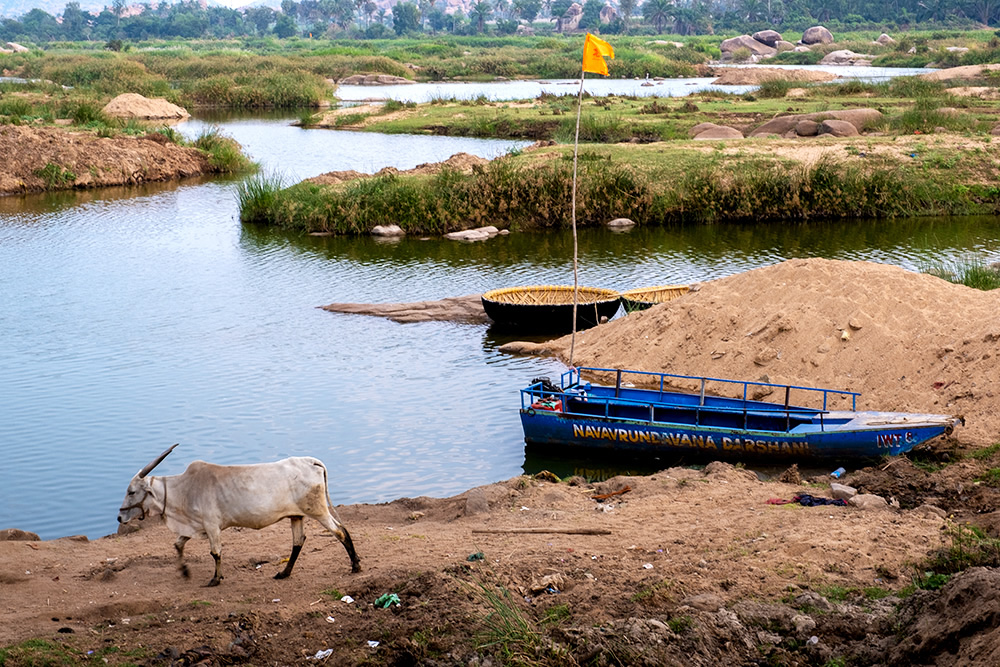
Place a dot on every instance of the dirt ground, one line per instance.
(84, 160)
(687, 566)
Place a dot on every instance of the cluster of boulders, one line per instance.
(373, 80)
(841, 123)
(766, 43)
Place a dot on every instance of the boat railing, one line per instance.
(748, 408)
(603, 407)
(572, 377)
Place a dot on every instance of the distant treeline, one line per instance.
(363, 19)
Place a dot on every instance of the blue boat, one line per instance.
(650, 419)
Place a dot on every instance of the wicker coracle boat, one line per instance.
(642, 298)
(549, 308)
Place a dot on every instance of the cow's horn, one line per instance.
(145, 471)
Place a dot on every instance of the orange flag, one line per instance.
(594, 50)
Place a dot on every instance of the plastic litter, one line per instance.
(320, 655)
(372, 643)
(479, 555)
(812, 641)
(347, 599)
(837, 473)
(331, 619)
(647, 566)
(387, 599)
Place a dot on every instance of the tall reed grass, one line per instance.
(522, 197)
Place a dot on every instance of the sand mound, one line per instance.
(751, 76)
(907, 341)
(133, 105)
(462, 162)
(963, 72)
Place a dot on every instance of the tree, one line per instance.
(558, 7)
(657, 12)
(284, 26)
(74, 23)
(479, 13)
(591, 17)
(261, 18)
(405, 18)
(626, 8)
(118, 8)
(528, 9)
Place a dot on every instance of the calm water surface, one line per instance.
(598, 86)
(134, 319)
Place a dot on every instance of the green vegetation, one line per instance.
(507, 630)
(55, 177)
(985, 453)
(976, 274)
(45, 653)
(659, 186)
(223, 152)
(970, 547)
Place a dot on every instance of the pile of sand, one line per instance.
(907, 341)
(752, 76)
(963, 72)
(133, 105)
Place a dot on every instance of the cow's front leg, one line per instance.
(298, 539)
(179, 546)
(215, 544)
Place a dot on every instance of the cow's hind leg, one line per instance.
(179, 546)
(215, 544)
(298, 539)
(337, 529)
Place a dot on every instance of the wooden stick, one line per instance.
(542, 531)
(605, 496)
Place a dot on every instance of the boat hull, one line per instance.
(548, 428)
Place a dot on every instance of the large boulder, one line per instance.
(769, 37)
(885, 40)
(374, 80)
(17, 48)
(817, 35)
(719, 132)
(782, 125)
(570, 20)
(746, 42)
(838, 128)
(846, 57)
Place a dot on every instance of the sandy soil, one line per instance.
(752, 76)
(93, 161)
(685, 567)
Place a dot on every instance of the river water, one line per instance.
(133, 319)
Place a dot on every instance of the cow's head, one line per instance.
(139, 492)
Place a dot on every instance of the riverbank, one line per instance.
(685, 566)
(48, 158)
(689, 566)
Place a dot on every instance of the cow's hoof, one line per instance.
(356, 568)
(214, 582)
(185, 572)
(282, 575)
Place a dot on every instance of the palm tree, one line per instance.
(657, 12)
(479, 12)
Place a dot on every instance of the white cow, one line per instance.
(207, 498)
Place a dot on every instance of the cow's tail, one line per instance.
(326, 487)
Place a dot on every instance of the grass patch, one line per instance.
(990, 478)
(506, 631)
(971, 273)
(970, 547)
(55, 176)
(556, 614)
(985, 453)
(257, 197)
(223, 152)
(680, 624)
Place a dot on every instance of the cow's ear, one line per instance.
(149, 467)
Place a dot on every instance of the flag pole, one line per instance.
(576, 281)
